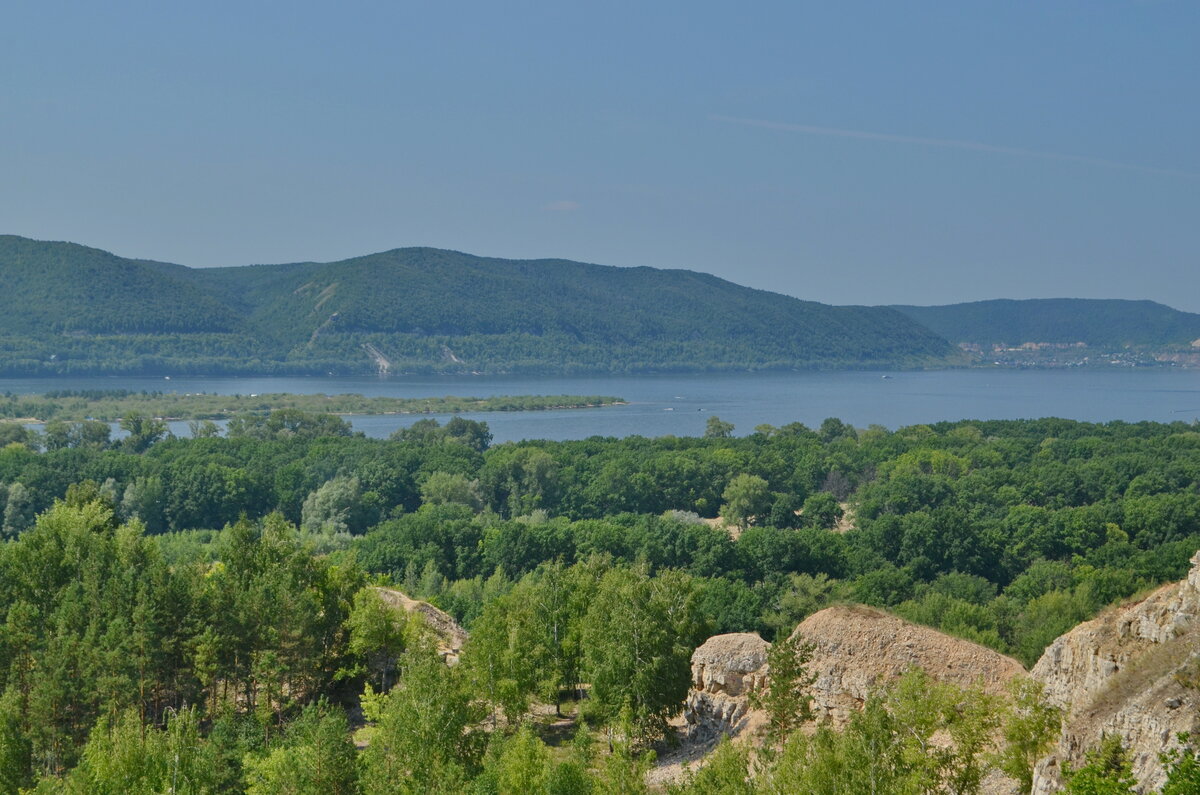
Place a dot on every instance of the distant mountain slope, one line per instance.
(64, 288)
(421, 309)
(426, 292)
(1097, 322)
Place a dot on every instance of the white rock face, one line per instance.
(725, 670)
(1117, 674)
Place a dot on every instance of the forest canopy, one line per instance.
(206, 607)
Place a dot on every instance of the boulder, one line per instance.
(725, 670)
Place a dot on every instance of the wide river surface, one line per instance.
(681, 404)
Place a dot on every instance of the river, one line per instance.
(681, 404)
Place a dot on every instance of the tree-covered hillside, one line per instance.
(57, 288)
(421, 309)
(1096, 322)
(555, 313)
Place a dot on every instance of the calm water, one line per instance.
(680, 404)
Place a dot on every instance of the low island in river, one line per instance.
(112, 405)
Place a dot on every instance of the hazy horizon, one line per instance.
(489, 256)
(858, 153)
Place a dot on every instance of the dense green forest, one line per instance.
(1099, 323)
(196, 613)
(111, 405)
(63, 289)
(68, 309)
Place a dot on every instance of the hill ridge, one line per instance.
(413, 303)
(1093, 321)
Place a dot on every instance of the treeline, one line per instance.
(343, 354)
(1105, 323)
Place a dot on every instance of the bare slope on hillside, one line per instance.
(858, 650)
(451, 637)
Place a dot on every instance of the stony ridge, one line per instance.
(858, 650)
(1121, 673)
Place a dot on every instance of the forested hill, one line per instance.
(76, 309)
(55, 288)
(1096, 322)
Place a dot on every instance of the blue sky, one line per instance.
(916, 152)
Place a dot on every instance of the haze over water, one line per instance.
(681, 404)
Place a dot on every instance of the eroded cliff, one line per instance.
(725, 670)
(1129, 672)
(859, 650)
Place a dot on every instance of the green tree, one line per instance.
(145, 499)
(333, 508)
(1183, 768)
(92, 434)
(16, 751)
(18, 510)
(726, 771)
(527, 642)
(16, 433)
(519, 479)
(203, 429)
(887, 747)
(746, 498)
(821, 510)
(315, 757)
(124, 757)
(524, 765)
(716, 428)
(442, 488)
(288, 424)
(833, 429)
(785, 697)
(425, 737)
(142, 431)
(804, 595)
(470, 433)
(623, 772)
(1106, 771)
(378, 634)
(638, 638)
(1030, 727)
(56, 435)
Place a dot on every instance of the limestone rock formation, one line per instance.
(858, 650)
(450, 636)
(1124, 673)
(725, 670)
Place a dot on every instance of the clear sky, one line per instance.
(846, 152)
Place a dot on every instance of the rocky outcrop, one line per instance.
(1124, 673)
(858, 650)
(450, 636)
(725, 670)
